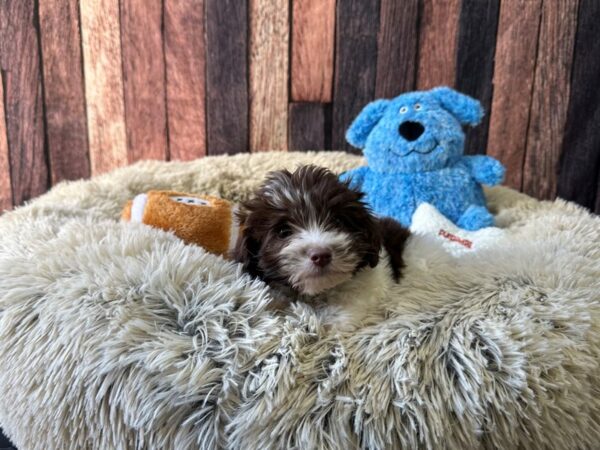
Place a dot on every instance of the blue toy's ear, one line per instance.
(467, 110)
(364, 123)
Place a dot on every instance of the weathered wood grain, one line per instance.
(269, 40)
(437, 43)
(226, 72)
(102, 65)
(478, 24)
(357, 23)
(5, 186)
(307, 126)
(513, 81)
(186, 78)
(144, 79)
(23, 99)
(397, 47)
(313, 36)
(550, 98)
(597, 208)
(64, 94)
(580, 158)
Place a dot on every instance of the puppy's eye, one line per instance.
(404, 110)
(283, 231)
(418, 106)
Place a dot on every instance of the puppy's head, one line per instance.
(306, 230)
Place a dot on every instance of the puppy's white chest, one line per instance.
(349, 305)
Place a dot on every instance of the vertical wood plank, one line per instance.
(513, 81)
(580, 159)
(437, 43)
(313, 35)
(550, 96)
(357, 23)
(269, 38)
(144, 79)
(226, 72)
(397, 47)
(307, 126)
(478, 24)
(5, 187)
(63, 90)
(103, 84)
(597, 208)
(23, 99)
(186, 78)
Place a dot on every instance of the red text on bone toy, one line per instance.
(454, 238)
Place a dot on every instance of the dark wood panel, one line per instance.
(513, 82)
(102, 65)
(478, 24)
(550, 97)
(313, 36)
(227, 76)
(5, 187)
(438, 32)
(144, 79)
(597, 209)
(186, 78)
(357, 23)
(307, 126)
(63, 90)
(397, 47)
(269, 71)
(23, 99)
(580, 158)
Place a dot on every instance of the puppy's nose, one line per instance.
(320, 257)
(411, 130)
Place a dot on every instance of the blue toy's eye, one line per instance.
(403, 110)
(417, 106)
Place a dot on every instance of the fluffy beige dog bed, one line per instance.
(119, 336)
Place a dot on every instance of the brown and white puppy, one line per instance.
(305, 233)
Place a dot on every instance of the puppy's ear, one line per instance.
(246, 247)
(373, 232)
(394, 238)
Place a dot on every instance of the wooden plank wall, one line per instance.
(90, 85)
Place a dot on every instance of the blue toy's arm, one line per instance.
(484, 169)
(355, 176)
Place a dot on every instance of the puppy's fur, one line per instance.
(306, 232)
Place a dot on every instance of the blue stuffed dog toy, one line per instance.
(414, 148)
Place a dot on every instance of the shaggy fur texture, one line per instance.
(414, 146)
(119, 336)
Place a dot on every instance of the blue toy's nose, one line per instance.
(411, 130)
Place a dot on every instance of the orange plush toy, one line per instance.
(203, 220)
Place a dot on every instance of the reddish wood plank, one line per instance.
(144, 79)
(269, 70)
(5, 187)
(313, 28)
(307, 126)
(397, 47)
(475, 63)
(227, 76)
(102, 64)
(186, 75)
(550, 97)
(437, 43)
(357, 24)
(513, 81)
(63, 90)
(579, 171)
(23, 102)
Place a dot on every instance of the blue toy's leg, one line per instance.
(475, 217)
